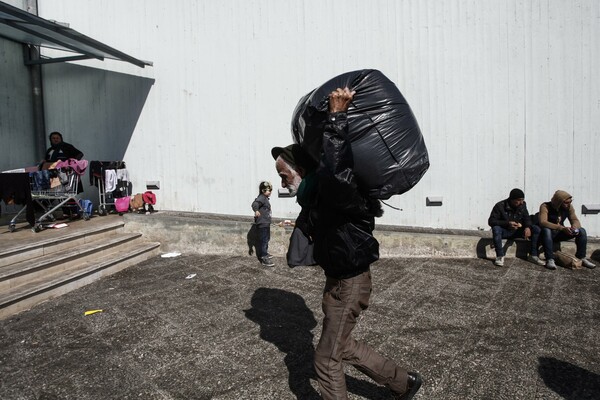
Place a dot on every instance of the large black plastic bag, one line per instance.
(390, 156)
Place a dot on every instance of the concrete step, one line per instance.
(30, 245)
(16, 274)
(36, 287)
(35, 267)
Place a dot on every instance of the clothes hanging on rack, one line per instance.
(97, 168)
(110, 180)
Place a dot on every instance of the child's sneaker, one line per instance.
(266, 262)
(499, 261)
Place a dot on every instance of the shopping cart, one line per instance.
(52, 189)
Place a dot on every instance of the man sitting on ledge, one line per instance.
(510, 219)
(552, 221)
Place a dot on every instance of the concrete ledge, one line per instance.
(204, 233)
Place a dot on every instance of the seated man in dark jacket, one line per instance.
(510, 219)
(340, 220)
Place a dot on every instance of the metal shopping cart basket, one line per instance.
(52, 189)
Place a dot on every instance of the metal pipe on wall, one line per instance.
(35, 72)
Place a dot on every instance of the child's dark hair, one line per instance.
(264, 186)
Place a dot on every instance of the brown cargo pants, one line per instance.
(343, 300)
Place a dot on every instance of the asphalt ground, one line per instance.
(237, 330)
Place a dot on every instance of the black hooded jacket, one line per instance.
(340, 218)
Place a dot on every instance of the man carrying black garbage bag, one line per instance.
(340, 219)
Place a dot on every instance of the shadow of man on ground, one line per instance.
(287, 322)
(569, 381)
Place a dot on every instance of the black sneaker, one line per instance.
(266, 262)
(414, 384)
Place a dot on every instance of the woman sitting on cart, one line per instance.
(62, 151)
(59, 151)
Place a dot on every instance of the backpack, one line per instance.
(149, 198)
(136, 202)
(567, 260)
(87, 206)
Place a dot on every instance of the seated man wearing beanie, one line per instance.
(510, 219)
(552, 221)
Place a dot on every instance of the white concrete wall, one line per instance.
(507, 93)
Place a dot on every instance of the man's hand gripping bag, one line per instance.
(390, 156)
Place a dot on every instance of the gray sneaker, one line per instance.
(499, 261)
(587, 263)
(550, 264)
(535, 260)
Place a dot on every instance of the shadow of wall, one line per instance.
(16, 115)
(95, 110)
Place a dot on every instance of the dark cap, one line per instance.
(516, 194)
(294, 155)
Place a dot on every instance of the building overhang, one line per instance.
(20, 26)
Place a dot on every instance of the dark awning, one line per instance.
(20, 26)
